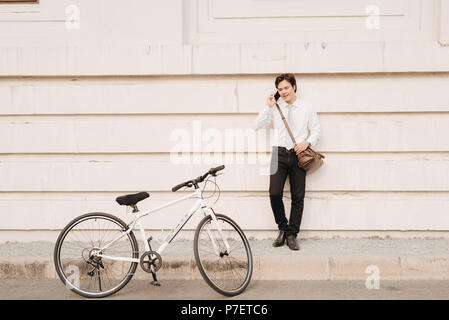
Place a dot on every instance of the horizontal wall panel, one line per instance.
(160, 172)
(220, 94)
(44, 10)
(327, 21)
(307, 57)
(444, 22)
(252, 211)
(352, 93)
(160, 95)
(229, 132)
(69, 22)
(288, 9)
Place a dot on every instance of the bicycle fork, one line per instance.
(211, 212)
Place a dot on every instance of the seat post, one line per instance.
(135, 209)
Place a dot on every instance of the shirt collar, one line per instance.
(284, 104)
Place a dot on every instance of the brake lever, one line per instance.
(216, 174)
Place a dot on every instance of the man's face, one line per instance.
(287, 91)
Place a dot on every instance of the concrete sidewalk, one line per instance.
(326, 259)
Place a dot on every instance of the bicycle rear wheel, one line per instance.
(227, 271)
(78, 267)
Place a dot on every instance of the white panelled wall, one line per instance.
(91, 113)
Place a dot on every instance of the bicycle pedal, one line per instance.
(155, 283)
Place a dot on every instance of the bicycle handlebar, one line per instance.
(179, 186)
(194, 182)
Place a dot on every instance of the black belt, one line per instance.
(284, 149)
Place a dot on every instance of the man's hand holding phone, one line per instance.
(272, 98)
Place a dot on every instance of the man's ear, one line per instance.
(294, 87)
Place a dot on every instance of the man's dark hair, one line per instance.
(290, 77)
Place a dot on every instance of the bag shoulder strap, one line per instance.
(286, 125)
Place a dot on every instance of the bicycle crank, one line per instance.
(150, 258)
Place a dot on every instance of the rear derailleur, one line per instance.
(95, 262)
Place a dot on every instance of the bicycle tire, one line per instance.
(203, 269)
(60, 241)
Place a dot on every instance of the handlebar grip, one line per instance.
(179, 186)
(214, 170)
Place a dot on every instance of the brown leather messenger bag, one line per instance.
(308, 159)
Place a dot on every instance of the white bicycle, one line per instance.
(97, 254)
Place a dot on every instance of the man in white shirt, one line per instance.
(302, 120)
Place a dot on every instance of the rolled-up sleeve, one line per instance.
(314, 127)
(264, 118)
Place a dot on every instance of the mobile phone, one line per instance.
(277, 96)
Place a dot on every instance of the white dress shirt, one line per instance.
(301, 118)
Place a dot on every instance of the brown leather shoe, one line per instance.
(280, 240)
(292, 242)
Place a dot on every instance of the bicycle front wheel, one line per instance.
(227, 270)
(76, 260)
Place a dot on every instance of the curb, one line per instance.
(271, 267)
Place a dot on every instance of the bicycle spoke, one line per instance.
(76, 249)
(228, 272)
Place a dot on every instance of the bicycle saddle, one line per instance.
(131, 199)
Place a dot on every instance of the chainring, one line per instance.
(146, 261)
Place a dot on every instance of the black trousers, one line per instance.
(285, 163)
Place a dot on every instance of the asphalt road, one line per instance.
(257, 290)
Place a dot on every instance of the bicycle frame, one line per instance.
(136, 222)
